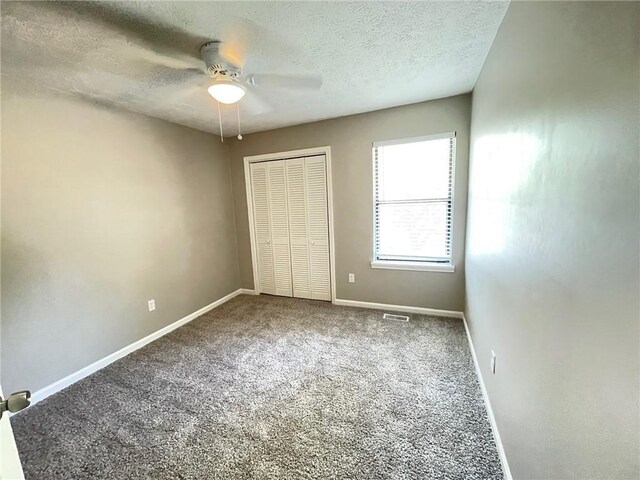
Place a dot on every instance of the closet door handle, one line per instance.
(312, 242)
(268, 242)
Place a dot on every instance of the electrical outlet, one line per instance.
(493, 362)
(152, 305)
(352, 278)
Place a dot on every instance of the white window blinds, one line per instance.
(414, 199)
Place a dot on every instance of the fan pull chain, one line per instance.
(238, 111)
(220, 121)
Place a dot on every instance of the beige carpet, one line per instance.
(271, 387)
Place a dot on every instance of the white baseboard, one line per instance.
(448, 313)
(399, 308)
(88, 370)
(247, 291)
(95, 366)
(492, 420)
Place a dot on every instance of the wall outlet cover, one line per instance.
(352, 278)
(152, 305)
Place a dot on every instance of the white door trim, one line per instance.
(306, 152)
(10, 465)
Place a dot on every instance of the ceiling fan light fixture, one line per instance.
(226, 92)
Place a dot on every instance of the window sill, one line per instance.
(418, 266)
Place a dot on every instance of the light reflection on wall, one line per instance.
(501, 164)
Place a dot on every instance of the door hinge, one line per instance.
(15, 402)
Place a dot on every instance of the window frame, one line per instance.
(415, 265)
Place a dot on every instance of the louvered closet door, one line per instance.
(298, 231)
(318, 226)
(279, 227)
(260, 191)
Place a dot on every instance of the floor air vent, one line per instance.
(396, 318)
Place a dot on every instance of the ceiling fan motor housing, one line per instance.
(217, 66)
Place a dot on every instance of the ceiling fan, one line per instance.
(230, 83)
(187, 61)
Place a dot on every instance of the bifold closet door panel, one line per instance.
(279, 227)
(260, 191)
(298, 231)
(318, 226)
(292, 227)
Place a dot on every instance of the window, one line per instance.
(413, 204)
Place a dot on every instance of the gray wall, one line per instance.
(351, 141)
(553, 237)
(101, 211)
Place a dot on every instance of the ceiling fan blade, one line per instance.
(254, 105)
(174, 76)
(235, 37)
(184, 85)
(297, 82)
(183, 64)
(241, 35)
(165, 44)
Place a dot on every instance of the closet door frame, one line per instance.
(307, 152)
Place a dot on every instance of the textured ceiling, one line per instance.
(143, 56)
